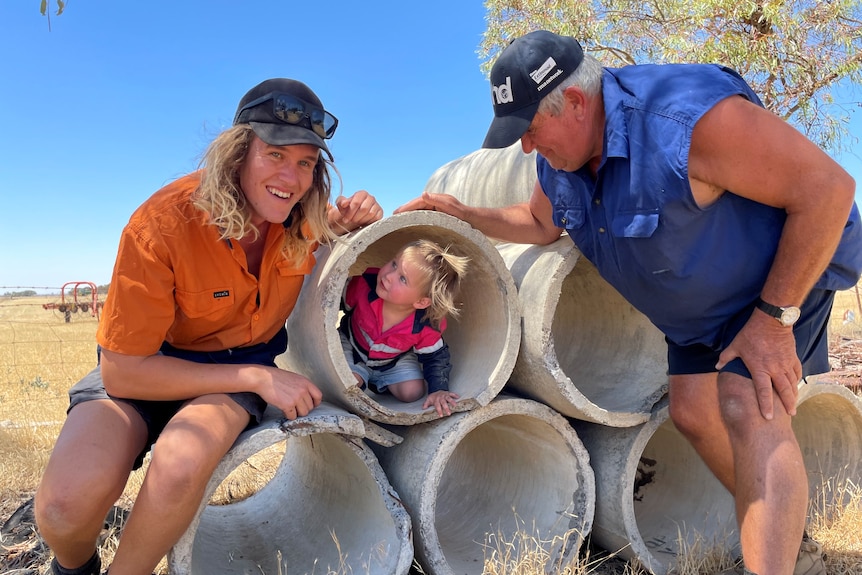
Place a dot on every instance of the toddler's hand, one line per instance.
(441, 401)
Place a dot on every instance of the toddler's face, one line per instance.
(401, 284)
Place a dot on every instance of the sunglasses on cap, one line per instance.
(295, 111)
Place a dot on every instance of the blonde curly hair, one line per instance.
(221, 196)
(442, 271)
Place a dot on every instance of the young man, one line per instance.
(207, 272)
(716, 219)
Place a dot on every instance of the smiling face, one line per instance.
(399, 283)
(275, 178)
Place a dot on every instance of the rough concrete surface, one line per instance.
(483, 342)
(328, 504)
(511, 466)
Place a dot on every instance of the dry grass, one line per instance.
(837, 525)
(41, 356)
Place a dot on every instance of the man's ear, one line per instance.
(575, 97)
(422, 303)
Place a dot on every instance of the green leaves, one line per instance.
(793, 53)
(43, 9)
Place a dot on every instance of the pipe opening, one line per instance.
(828, 427)
(322, 508)
(675, 495)
(479, 339)
(605, 347)
(518, 461)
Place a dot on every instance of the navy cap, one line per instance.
(527, 70)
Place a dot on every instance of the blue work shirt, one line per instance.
(688, 269)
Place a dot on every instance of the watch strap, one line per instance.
(768, 308)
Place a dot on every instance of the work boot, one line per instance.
(810, 560)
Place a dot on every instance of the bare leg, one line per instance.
(183, 460)
(771, 482)
(696, 414)
(763, 466)
(85, 476)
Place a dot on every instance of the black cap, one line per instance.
(270, 128)
(527, 70)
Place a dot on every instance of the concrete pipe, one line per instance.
(651, 489)
(328, 506)
(584, 350)
(581, 342)
(488, 178)
(656, 497)
(483, 342)
(828, 427)
(475, 479)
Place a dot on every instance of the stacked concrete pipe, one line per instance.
(329, 506)
(588, 354)
(488, 178)
(483, 342)
(655, 496)
(477, 479)
(585, 351)
(828, 427)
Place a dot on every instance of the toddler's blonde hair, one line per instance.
(443, 271)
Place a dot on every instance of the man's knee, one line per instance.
(174, 475)
(740, 410)
(694, 404)
(686, 421)
(64, 513)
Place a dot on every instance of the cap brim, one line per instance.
(508, 129)
(286, 135)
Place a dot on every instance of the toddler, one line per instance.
(395, 316)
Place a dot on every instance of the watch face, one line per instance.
(789, 315)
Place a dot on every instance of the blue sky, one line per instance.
(120, 98)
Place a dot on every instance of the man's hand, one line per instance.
(434, 202)
(441, 401)
(292, 393)
(768, 350)
(358, 210)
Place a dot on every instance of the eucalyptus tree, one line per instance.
(794, 53)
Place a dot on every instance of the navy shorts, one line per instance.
(157, 414)
(812, 345)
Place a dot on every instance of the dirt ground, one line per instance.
(845, 358)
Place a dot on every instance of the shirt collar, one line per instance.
(616, 132)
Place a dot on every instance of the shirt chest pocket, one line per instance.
(287, 269)
(288, 281)
(212, 304)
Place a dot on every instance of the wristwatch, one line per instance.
(786, 316)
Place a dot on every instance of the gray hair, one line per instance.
(587, 76)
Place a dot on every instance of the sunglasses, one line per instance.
(297, 112)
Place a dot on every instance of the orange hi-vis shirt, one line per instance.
(175, 281)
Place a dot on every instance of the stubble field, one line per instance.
(44, 351)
